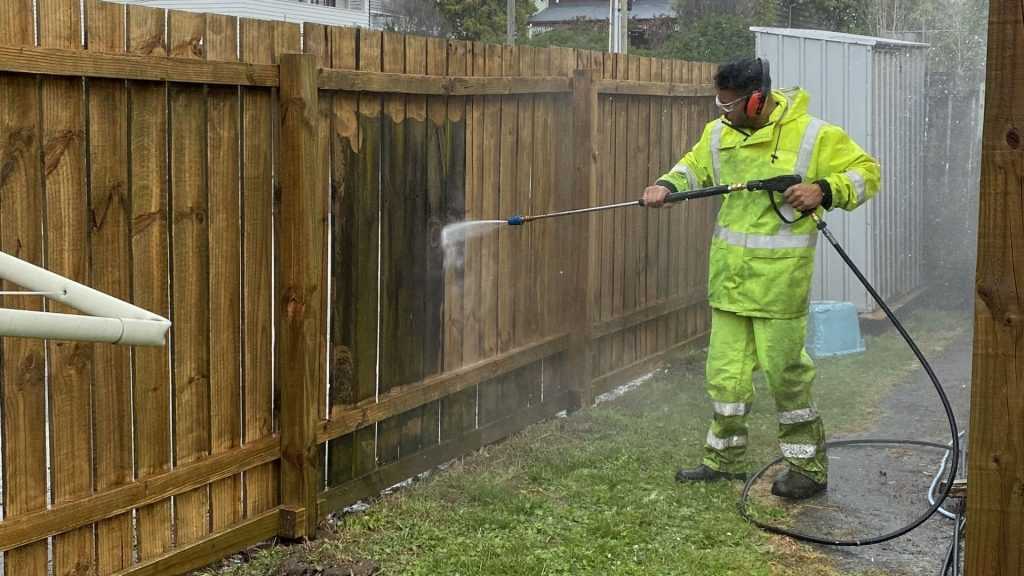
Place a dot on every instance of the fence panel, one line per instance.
(170, 181)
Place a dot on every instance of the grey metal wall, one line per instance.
(874, 89)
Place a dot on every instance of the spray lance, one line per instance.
(781, 184)
(776, 184)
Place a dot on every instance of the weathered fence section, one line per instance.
(279, 193)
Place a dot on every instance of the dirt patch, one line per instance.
(297, 566)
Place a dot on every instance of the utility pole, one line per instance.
(618, 20)
(511, 18)
(623, 26)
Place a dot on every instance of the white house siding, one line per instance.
(282, 10)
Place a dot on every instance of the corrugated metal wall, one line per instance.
(876, 94)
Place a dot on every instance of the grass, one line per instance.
(593, 493)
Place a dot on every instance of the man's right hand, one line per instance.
(654, 196)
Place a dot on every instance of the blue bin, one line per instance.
(833, 329)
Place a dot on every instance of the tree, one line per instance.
(484, 20)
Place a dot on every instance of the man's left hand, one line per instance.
(804, 197)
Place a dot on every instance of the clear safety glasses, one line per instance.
(728, 107)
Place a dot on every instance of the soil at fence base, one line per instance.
(297, 566)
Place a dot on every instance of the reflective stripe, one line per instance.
(798, 450)
(858, 185)
(716, 143)
(798, 416)
(745, 240)
(723, 443)
(685, 170)
(803, 161)
(731, 408)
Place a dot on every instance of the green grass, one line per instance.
(593, 493)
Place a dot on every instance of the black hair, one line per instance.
(742, 76)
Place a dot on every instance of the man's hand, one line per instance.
(804, 197)
(654, 196)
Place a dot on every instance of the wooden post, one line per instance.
(584, 105)
(995, 501)
(301, 305)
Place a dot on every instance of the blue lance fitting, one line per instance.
(516, 221)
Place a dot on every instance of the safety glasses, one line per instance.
(728, 107)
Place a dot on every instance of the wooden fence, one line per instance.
(280, 197)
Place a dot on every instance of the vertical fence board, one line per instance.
(643, 217)
(257, 198)
(411, 280)
(458, 410)
(620, 153)
(21, 202)
(436, 155)
(509, 252)
(190, 245)
(490, 392)
(223, 134)
(149, 229)
(668, 252)
(541, 201)
(344, 246)
(608, 220)
(367, 215)
(110, 242)
(66, 202)
(315, 41)
(473, 295)
(398, 354)
(653, 218)
(526, 308)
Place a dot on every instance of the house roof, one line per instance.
(838, 37)
(569, 10)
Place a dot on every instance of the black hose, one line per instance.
(945, 404)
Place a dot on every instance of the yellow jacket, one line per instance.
(760, 265)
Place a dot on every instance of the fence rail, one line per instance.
(176, 159)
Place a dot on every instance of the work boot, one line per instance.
(796, 486)
(703, 473)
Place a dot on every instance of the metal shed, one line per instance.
(875, 89)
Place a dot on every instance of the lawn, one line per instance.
(593, 493)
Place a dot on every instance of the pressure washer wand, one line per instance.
(776, 184)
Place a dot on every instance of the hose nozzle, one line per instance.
(776, 184)
(517, 220)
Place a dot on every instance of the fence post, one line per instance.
(584, 106)
(301, 303)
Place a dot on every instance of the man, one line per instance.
(761, 262)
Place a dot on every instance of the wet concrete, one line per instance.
(875, 490)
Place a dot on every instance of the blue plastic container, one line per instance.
(833, 329)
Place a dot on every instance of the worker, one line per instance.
(761, 263)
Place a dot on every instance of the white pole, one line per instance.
(623, 26)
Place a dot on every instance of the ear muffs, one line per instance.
(756, 101)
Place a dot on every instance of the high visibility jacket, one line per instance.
(759, 265)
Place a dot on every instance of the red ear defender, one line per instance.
(756, 101)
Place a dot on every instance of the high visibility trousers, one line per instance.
(739, 345)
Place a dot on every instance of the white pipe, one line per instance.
(54, 326)
(110, 319)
